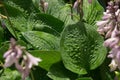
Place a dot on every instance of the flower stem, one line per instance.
(32, 75)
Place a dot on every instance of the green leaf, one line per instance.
(3, 49)
(81, 48)
(48, 58)
(59, 72)
(39, 73)
(1, 34)
(103, 2)
(51, 21)
(10, 75)
(46, 28)
(24, 4)
(36, 3)
(59, 9)
(84, 79)
(92, 12)
(41, 40)
(12, 9)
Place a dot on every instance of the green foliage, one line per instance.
(12, 9)
(84, 79)
(81, 48)
(92, 12)
(59, 72)
(69, 49)
(48, 58)
(10, 75)
(55, 23)
(41, 40)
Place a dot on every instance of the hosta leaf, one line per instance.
(3, 49)
(39, 73)
(41, 40)
(12, 9)
(81, 48)
(103, 2)
(21, 24)
(92, 12)
(87, 78)
(51, 21)
(59, 72)
(1, 34)
(48, 58)
(46, 28)
(59, 9)
(25, 4)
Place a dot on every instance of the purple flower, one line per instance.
(10, 60)
(75, 6)
(23, 63)
(32, 60)
(14, 53)
(109, 26)
(111, 42)
(28, 61)
(115, 32)
(102, 23)
(115, 55)
(45, 6)
(106, 16)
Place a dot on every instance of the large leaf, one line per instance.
(41, 40)
(92, 12)
(81, 48)
(59, 72)
(48, 58)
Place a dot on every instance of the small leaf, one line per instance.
(48, 58)
(84, 79)
(51, 21)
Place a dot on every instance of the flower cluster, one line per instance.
(22, 62)
(109, 27)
